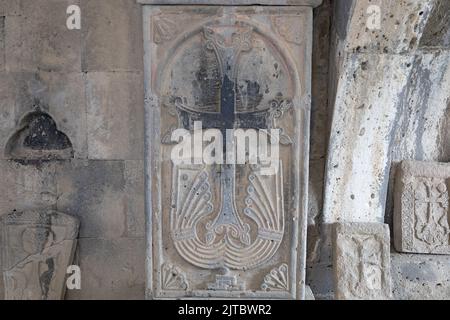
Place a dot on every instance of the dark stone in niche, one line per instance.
(38, 138)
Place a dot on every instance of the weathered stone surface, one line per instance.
(26, 186)
(401, 25)
(361, 261)
(420, 277)
(227, 219)
(115, 115)
(9, 7)
(2, 43)
(59, 95)
(422, 216)
(112, 35)
(309, 294)
(437, 31)
(134, 198)
(311, 3)
(365, 115)
(107, 197)
(37, 247)
(111, 269)
(34, 41)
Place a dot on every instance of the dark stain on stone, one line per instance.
(43, 135)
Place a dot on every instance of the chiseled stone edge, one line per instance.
(309, 3)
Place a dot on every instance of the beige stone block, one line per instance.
(421, 208)
(420, 277)
(112, 35)
(94, 192)
(115, 107)
(37, 247)
(38, 38)
(26, 186)
(134, 198)
(107, 197)
(361, 261)
(110, 269)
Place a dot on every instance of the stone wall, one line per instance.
(378, 97)
(90, 81)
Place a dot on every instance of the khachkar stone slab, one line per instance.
(37, 247)
(421, 208)
(227, 230)
(361, 261)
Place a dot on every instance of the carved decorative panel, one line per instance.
(422, 216)
(361, 261)
(221, 229)
(36, 247)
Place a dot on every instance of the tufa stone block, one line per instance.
(421, 208)
(361, 261)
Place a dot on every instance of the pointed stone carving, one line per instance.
(421, 208)
(277, 279)
(37, 247)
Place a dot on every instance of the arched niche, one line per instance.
(38, 138)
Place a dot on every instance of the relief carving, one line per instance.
(361, 261)
(164, 29)
(277, 279)
(37, 247)
(421, 208)
(224, 224)
(173, 278)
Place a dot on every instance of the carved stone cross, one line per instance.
(223, 230)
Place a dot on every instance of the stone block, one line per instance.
(110, 269)
(26, 186)
(401, 27)
(361, 261)
(59, 95)
(437, 30)
(115, 107)
(10, 7)
(38, 38)
(112, 35)
(420, 277)
(421, 208)
(134, 198)
(224, 231)
(37, 247)
(2, 43)
(107, 197)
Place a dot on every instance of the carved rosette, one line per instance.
(277, 279)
